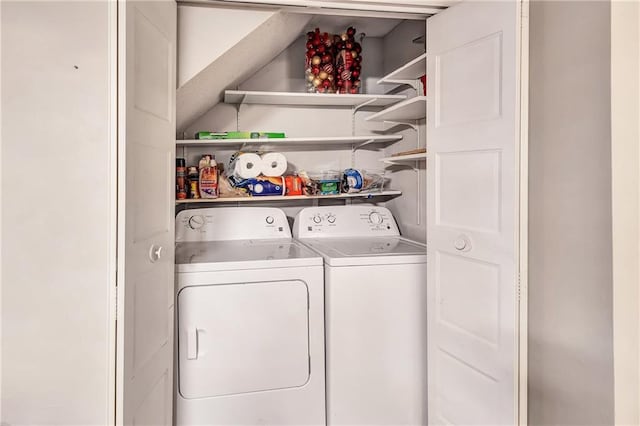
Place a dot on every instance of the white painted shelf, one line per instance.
(309, 99)
(291, 198)
(319, 142)
(411, 109)
(405, 158)
(408, 73)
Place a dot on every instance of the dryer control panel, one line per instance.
(345, 221)
(231, 223)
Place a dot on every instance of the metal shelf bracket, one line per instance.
(410, 123)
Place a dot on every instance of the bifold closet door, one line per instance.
(473, 125)
(146, 163)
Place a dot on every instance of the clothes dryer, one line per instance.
(250, 319)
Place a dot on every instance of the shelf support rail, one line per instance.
(355, 109)
(354, 148)
(238, 105)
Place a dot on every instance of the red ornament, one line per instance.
(309, 45)
(328, 67)
(353, 90)
(355, 73)
(321, 48)
(311, 53)
(315, 70)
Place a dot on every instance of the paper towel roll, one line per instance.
(274, 164)
(246, 165)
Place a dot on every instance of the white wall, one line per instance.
(570, 271)
(625, 115)
(57, 251)
(200, 41)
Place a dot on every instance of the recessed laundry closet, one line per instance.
(322, 212)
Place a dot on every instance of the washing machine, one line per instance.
(250, 321)
(375, 315)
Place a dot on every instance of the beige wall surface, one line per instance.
(56, 214)
(570, 271)
(625, 123)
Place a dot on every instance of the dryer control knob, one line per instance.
(375, 218)
(317, 219)
(196, 222)
(269, 219)
(331, 218)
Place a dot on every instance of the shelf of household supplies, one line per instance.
(408, 73)
(411, 109)
(405, 158)
(291, 198)
(319, 142)
(309, 99)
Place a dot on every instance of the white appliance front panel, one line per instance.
(376, 326)
(345, 221)
(291, 406)
(242, 338)
(243, 254)
(231, 223)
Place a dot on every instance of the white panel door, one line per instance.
(146, 157)
(473, 114)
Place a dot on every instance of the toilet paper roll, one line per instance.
(245, 165)
(274, 164)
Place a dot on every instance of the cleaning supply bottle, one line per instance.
(208, 177)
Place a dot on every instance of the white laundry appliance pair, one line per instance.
(251, 326)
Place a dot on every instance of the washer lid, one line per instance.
(242, 254)
(368, 251)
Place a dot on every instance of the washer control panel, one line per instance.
(345, 221)
(231, 223)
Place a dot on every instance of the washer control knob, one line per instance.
(317, 218)
(269, 220)
(375, 218)
(196, 222)
(331, 218)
